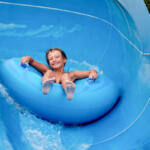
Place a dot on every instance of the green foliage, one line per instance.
(147, 2)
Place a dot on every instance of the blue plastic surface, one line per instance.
(100, 34)
(92, 99)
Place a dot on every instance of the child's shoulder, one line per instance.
(70, 73)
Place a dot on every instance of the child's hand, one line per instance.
(26, 59)
(93, 74)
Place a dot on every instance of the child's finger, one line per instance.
(91, 75)
(94, 75)
(22, 60)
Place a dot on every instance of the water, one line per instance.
(34, 133)
(107, 41)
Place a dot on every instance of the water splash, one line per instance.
(84, 65)
(144, 72)
(84, 146)
(8, 98)
(43, 135)
(4, 142)
(40, 141)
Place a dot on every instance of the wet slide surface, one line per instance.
(95, 35)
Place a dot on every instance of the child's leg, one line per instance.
(47, 80)
(68, 86)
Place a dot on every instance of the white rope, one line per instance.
(125, 129)
(79, 13)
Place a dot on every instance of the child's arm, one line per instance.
(40, 67)
(83, 74)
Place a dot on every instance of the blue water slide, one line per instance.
(111, 36)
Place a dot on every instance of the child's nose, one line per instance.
(54, 59)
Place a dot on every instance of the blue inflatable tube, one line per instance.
(91, 100)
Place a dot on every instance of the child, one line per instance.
(56, 58)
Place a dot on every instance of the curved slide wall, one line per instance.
(95, 34)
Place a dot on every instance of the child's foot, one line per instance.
(69, 90)
(46, 85)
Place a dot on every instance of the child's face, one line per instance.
(56, 59)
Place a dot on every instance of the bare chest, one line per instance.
(60, 77)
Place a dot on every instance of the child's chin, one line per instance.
(56, 68)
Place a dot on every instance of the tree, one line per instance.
(147, 2)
